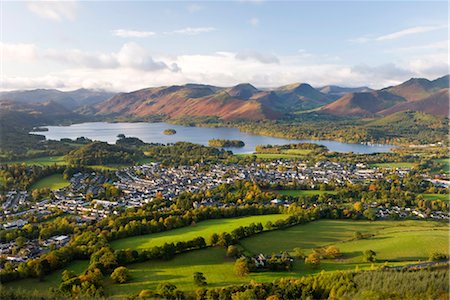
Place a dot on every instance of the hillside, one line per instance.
(437, 104)
(301, 96)
(416, 94)
(69, 100)
(335, 92)
(361, 104)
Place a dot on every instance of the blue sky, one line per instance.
(125, 46)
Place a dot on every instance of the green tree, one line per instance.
(313, 260)
(241, 267)
(370, 255)
(199, 279)
(232, 251)
(120, 275)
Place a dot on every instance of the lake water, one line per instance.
(153, 133)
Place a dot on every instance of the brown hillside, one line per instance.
(437, 104)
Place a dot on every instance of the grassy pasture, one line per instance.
(399, 242)
(51, 280)
(271, 156)
(41, 161)
(392, 240)
(60, 160)
(394, 165)
(443, 197)
(204, 229)
(53, 182)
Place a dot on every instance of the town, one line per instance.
(139, 185)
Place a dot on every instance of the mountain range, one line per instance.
(240, 102)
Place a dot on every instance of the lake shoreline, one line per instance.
(151, 132)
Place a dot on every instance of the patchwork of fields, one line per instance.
(395, 242)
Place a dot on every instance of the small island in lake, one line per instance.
(169, 131)
(226, 143)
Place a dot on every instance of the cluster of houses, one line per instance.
(13, 253)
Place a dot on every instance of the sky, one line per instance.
(125, 46)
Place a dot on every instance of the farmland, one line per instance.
(53, 182)
(41, 161)
(204, 229)
(394, 165)
(51, 280)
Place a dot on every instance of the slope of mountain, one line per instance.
(362, 104)
(442, 82)
(335, 92)
(417, 88)
(416, 94)
(437, 104)
(239, 102)
(302, 96)
(70, 100)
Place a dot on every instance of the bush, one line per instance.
(120, 275)
(199, 279)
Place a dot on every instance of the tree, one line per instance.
(332, 252)
(199, 279)
(20, 241)
(67, 275)
(167, 290)
(214, 239)
(120, 275)
(358, 235)
(313, 260)
(232, 251)
(436, 256)
(369, 255)
(241, 267)
(298, 252)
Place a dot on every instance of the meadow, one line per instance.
(41, 161)
(395, 242)
(204, 229)
(53, 182)
(442, 197)
(394, 165)
(271, 156)
(60, 161)
(51, 280)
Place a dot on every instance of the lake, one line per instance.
(153, 133)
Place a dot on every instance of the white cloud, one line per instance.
(194, 7)
(133, 67)
(254, 22)
(19, 52)
(132, 33)
(131, 55)
(261, 57)
(193, 30)
(54, 10)
(398, 34)
(409, 31)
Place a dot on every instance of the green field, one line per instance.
(393, 240)
(59, 160)
(271, 156)
(41, 161)
(445, 165)
(394, 165)
(398, 242)
(204, 229)
(53, 182)
(51, 280)
(296, 193)
(443, 197)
